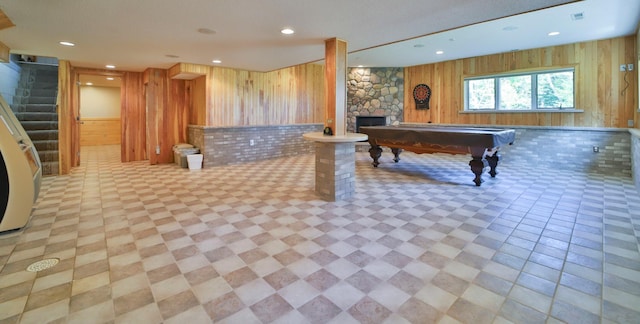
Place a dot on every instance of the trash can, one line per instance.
(180, 153)
(194, 161)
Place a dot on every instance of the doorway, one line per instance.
(99, 110)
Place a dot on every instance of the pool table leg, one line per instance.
(493, 163)
(396, 154)
(375, 151)
(477, 166)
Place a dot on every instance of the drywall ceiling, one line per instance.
(245, 34)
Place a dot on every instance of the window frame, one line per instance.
(534, 90)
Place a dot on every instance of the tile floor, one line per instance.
(251, 243)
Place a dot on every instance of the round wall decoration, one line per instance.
(422, 94)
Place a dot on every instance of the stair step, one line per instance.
(22, 100)
(36, 116)
(45, 85)
(53, 72)
(40, 84)
(36, 125)
(50, 168)
(39, 108)
(43, 135)
(45, 92)
(48, 145)
(24, 92)
(41, 100)
(48, 156)
(45, 79)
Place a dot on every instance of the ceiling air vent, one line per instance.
(577, 16)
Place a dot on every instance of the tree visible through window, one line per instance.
(555, 90)
(551, 89)
(484, 94)
(515, 92)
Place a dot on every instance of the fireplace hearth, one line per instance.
(370, 121)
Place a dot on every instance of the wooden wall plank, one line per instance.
(99, 131)
(133, 117)
(599, 85)
(156, 94)
(198, 100)
(167, 103)
(178, 112)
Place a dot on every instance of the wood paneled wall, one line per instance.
(133, 145)
(601, 89)
(167, 103)
(155, 82)
(198, 101)
(637, 88)
(99, 131)
(178, 117)
(236, 97)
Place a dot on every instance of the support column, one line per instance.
(335, 154)
(335, 75)
(335, 170)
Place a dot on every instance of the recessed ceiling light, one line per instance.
(439, 52)
(206, 31)
(287, 31)
(216, 61)
(65, 43)
(360, 65)
(555, 33)
(418, 45)
(109, 66)
(89, 83)
(110, 78)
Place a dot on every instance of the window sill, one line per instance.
(535, 111)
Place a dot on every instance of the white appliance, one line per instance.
(20, 171)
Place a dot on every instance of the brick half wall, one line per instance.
(230, 145)
(565, 148)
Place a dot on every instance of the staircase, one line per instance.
(34, 104)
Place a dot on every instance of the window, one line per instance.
(541, 90)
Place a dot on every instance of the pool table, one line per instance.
(481, 143)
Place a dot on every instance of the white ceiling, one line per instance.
(137, 34)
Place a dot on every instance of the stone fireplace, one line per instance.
(375, 92)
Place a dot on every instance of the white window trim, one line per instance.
(529, 111)
(534, 99)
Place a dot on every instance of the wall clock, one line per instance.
(422, 94)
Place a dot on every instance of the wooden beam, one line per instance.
(4, 53)
(336, 85)
(5, 22)
(67, 126)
